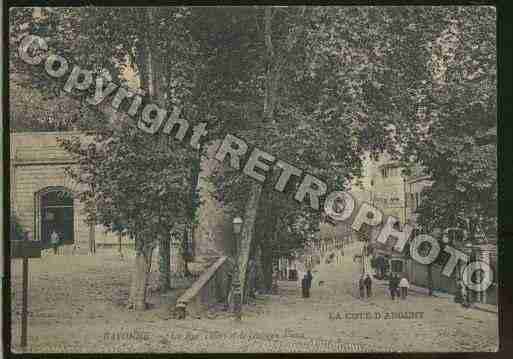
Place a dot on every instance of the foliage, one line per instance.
(452, 131)
(316, 87)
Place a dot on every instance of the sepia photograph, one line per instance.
(251, 179)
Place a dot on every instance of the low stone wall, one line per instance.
(211, 288)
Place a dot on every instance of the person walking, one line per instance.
(54, 239)
(361, 286)
(404, 285)
(368, 285)
(252, 278)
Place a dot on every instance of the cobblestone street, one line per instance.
(87, 314)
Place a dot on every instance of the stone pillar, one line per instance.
(177, 277)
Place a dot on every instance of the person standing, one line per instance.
(404, 285)
(396, 285)
(392, 286)
(54, 239)
(380, 267)
(368, 285)
(464, 296)
(461, 292)
(304, 286)
(309, 278)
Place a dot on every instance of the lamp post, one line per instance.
(236, 289)
(468, 252)
(405, 199)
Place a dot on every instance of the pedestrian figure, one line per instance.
(393, 286)
(464, 296)
(306, 284)
(460, 293)
(303, 287)
(361, 286)
(457, 295)
(404, 285)
(252, 278)
(368, 285)
(54, 239)
(380, 267)
(396, 285)
(309, 278)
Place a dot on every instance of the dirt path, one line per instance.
(78, 304)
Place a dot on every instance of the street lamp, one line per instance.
(237, 225)
(236, 290)
(468, 251)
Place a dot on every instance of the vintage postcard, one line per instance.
(252, 179)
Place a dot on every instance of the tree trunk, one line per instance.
(177, 273)
(267, 268)
(152, 78)
(250, 214)
(164, 263)
(266, 239)
(140, 276)
(194, 205)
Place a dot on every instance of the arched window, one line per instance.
(54, 212)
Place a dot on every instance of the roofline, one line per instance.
(50, 133)
(419, 178)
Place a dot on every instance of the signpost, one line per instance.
(236, 281)
(25, 249)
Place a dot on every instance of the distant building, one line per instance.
(385, 186)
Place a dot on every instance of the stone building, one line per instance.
(42, 197)
(42, 194)
(384, 185)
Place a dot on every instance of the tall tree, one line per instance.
(452, 133)
(306, 104)
(164, 67)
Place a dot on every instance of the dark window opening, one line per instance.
(56, 214)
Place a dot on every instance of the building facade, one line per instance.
(42, 194)
(43, 197)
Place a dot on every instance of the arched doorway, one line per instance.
(54, 207)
